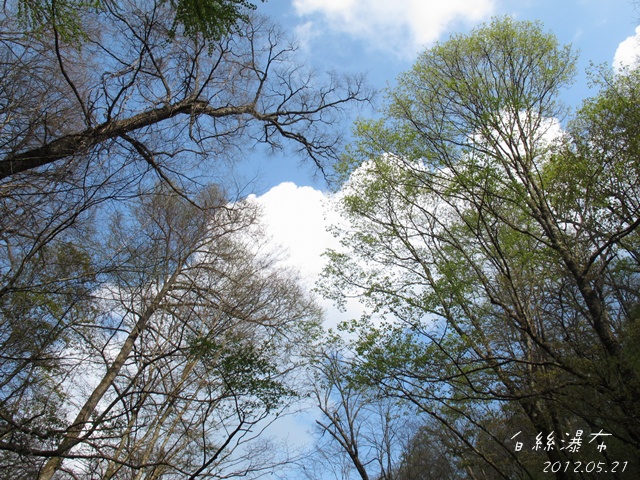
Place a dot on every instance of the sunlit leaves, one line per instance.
(210, 19)
(213, 19)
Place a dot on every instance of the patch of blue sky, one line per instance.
(382, 39)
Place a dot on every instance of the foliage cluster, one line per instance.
(209, 19)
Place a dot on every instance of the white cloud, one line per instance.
(628, 52)
(402, 26)
(305, 32)
(296, 219)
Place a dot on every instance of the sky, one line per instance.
(382, 39)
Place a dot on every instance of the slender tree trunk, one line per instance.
(73, 433)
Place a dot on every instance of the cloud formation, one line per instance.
(628, 52)
(296, 220)
(294, 217)
(402, 26)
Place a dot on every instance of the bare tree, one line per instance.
(142, 334)
(357, 424)
(183, 352)
(139, 95)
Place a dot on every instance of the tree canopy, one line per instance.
(209, 19)
(128, 91)
(497, 239)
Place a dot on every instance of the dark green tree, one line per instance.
(209, 19)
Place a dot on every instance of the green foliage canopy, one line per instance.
(500, 248)
(212, 19)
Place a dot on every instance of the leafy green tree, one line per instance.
(501, 250)
(210, 19)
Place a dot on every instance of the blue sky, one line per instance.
(382, 38)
